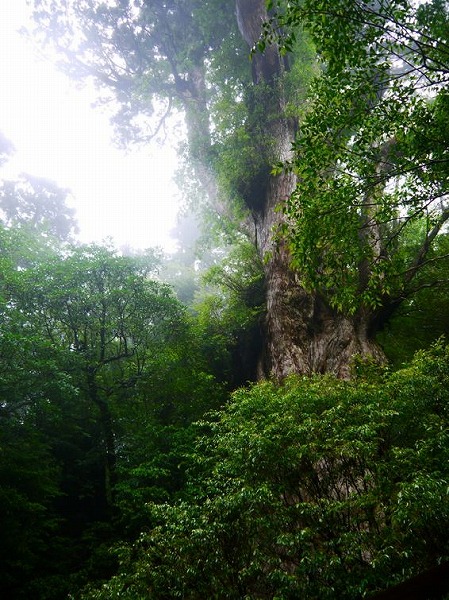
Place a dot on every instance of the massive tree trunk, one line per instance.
(161, 50)
(302, 333)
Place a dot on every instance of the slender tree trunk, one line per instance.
(302, 333)
(110, 458)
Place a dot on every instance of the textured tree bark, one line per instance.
(302, 333)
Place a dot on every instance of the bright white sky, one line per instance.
(57, 134)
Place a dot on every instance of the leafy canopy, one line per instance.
(371, 154)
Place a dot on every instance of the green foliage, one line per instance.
(245, 150)
(101, 375)
(37, 205)
(371, 153)
(240, 274)
(229, 313)
(424, 317)
(34, 389)
(315, 489)
(28, 474)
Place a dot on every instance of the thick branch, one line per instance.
(422, 253)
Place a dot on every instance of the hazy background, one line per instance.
(59, 135)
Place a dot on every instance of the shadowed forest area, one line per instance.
(264, 413)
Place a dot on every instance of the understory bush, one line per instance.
(316, 488)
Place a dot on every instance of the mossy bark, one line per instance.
(302, 333)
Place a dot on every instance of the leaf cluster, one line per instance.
(370, 156)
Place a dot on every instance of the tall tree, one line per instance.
(101, 376)
(106, 316)
(39, 205)
(368, 219)
(242, 117)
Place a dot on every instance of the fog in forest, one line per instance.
(58, 133)
(224, 283)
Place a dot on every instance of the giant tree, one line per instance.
(367, 222)
(241, 117)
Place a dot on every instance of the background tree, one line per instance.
(101, 377)
(103, 310)
(38, 205)
(35, 218)
(181, 269)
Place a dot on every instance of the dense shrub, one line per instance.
(318, 488)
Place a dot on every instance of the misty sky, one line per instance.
(58, 135)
